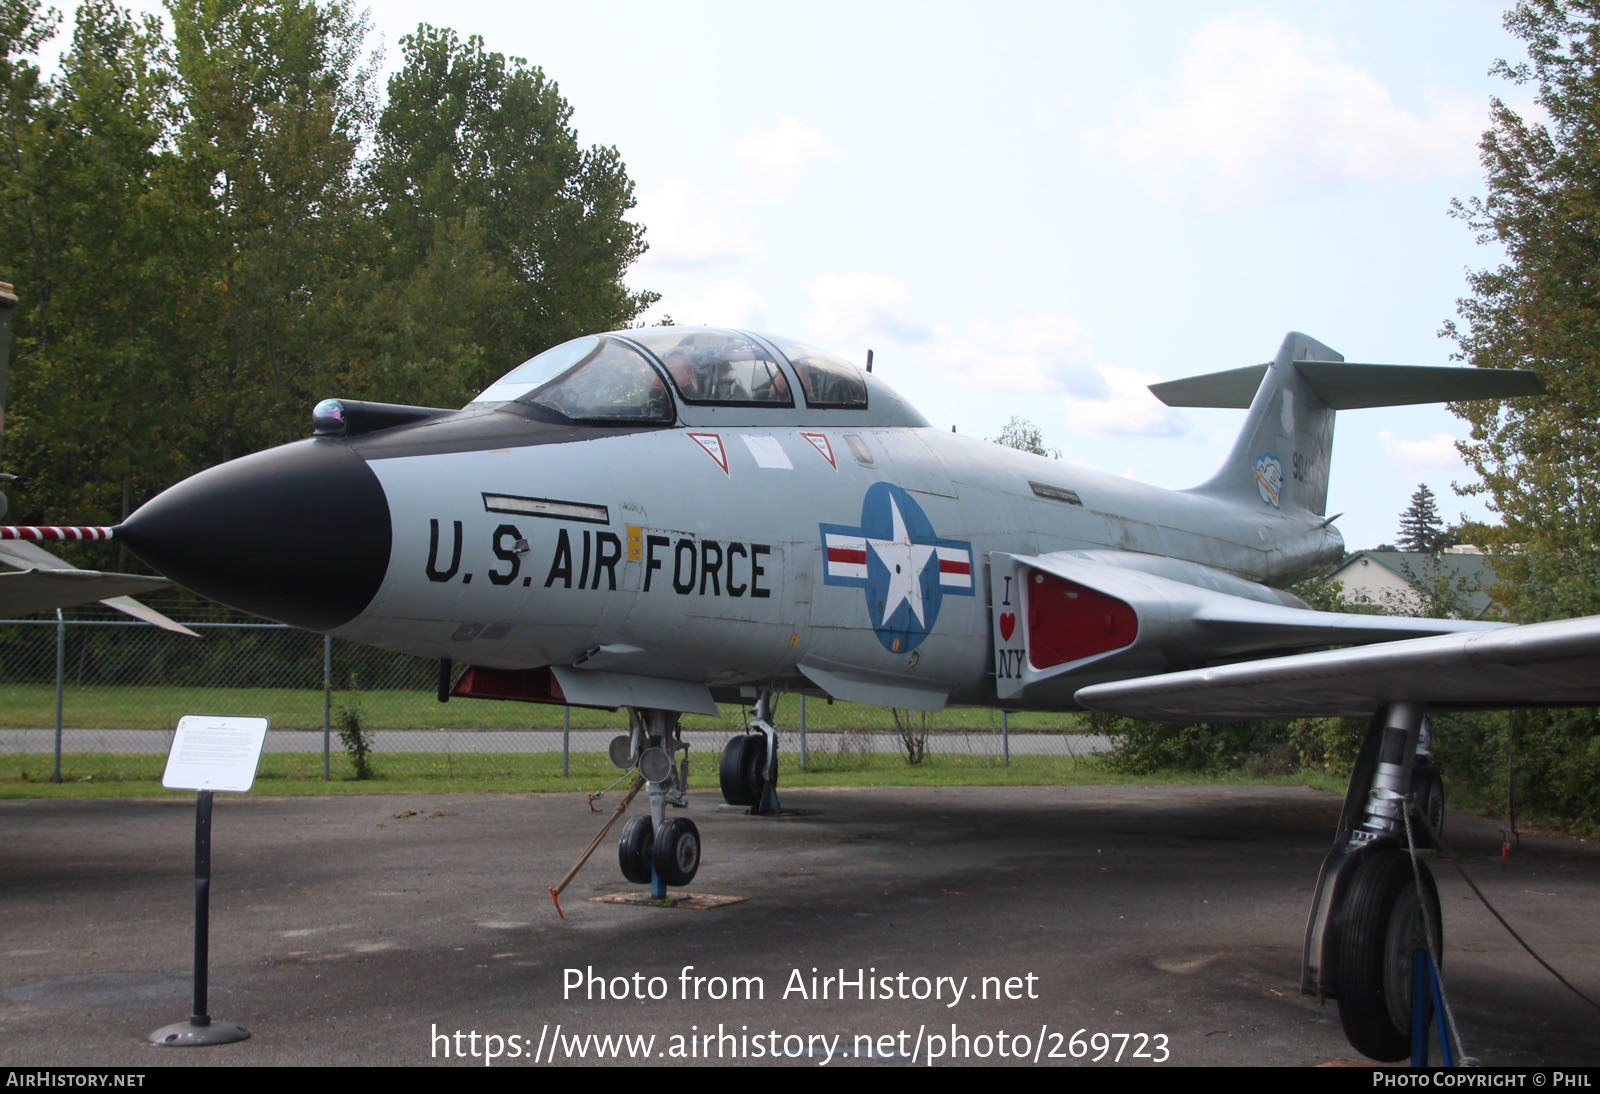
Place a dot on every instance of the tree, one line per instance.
(276, 105)
(1539, 459)
(480, 183)
(1421, 528)
(1021, 434)
(202, 252)
(86, 234)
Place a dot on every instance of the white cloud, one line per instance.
(1036, 355)
(1048, 358)
(1126, 408)
(1044, 361)
(728, 304)
(682, 229)
(1436, 453)
(1258, 107)
(780, 157)
(1047, 363)
(851, 308)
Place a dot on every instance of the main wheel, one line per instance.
(743, 763)
(634, 849)
(677, 853)
(1377, 925)
(1428, 789)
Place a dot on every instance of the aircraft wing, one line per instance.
(1537, 664)
(45, 581)
(25, 591)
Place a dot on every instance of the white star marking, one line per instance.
(905, 561)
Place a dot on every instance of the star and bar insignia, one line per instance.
(904, 567)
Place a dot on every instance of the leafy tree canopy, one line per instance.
(209, 231)
(1539, 459)
(1022, 434)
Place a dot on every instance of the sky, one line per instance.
(1037, 209)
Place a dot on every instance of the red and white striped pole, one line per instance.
(55, 533)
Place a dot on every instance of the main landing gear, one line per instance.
(653, 849)
(1376, 907)
(750, 763)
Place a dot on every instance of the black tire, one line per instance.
(1375, 927)
(743, 759)
(634, 849)
(677, 852)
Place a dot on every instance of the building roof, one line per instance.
(1466, 574)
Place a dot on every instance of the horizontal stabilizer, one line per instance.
(1230, 390)
(1349, 385)
(1539, 664)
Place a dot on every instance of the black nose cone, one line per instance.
(298, 533)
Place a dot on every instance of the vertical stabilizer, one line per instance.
(1281, 457)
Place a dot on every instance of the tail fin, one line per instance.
(1281, 456)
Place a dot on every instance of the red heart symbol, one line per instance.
(1008, 623)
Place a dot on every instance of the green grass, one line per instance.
(32, 706)
(110, 775)
(106, 775)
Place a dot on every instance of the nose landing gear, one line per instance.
(653, 849)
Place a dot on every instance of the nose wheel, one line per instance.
(636, 849)
(677, 851)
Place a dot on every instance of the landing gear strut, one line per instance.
(653, 849)
(1374, 907)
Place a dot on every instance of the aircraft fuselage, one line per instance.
(721, 574)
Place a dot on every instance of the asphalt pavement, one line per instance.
(896, 927)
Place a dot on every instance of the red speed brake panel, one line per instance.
(1068, 621)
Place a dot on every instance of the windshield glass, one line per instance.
(590, 378)
(828, 381)
(717, 366)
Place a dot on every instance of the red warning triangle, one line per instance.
(711, 443)
(819, 441)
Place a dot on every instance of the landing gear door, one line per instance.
(1006, 631)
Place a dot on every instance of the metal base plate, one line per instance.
(694, 902)
(189, 1035)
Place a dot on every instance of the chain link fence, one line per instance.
(97, 694)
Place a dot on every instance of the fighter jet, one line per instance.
(663, 518)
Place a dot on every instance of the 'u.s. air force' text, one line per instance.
(589, 559)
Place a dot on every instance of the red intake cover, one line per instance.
(1068, 621)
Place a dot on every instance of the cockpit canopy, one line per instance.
(624, 376)
(596, 377)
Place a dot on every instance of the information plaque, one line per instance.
(212, 752)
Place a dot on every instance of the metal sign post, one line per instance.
(208, 754)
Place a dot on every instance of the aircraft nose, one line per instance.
(299, 533)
